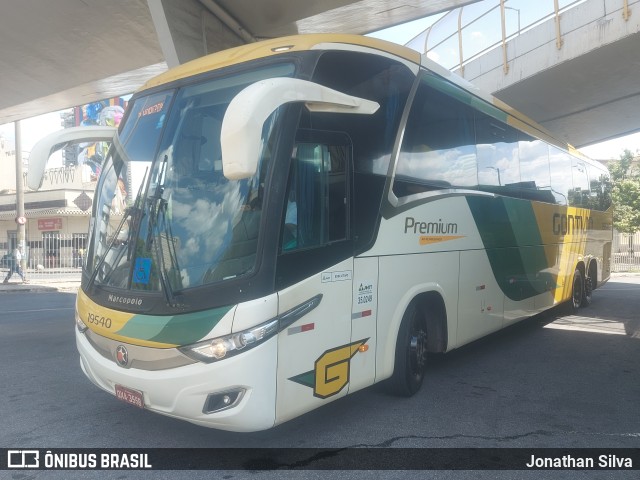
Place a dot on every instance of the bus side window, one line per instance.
(316, 210)
(600, 184)
(579, 195)
(560, 169)
(498, 156)
(438, 149)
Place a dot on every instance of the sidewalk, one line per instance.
(40, 285)
(634, 273)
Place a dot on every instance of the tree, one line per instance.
(626, 195)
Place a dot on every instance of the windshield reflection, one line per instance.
(192, 226)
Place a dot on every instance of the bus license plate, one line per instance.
(128, 395)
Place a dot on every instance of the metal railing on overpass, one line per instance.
(465, 33)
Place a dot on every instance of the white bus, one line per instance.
(284, 223)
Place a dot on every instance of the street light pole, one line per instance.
(498, 172)
(20, 217)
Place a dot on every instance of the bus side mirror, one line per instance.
(43, 149)
(241, 132)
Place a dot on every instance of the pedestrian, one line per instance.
(15, 265)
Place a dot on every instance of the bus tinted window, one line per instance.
(579, 195)
(317, 197)
(438, 149)
(498, 157)
(457, 141)
(372, 137)
(560, 169)
(534, 170)
(600, 188)
(367, 76)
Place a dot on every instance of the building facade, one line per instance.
(57, 215)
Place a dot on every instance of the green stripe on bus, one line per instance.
(512, 239)
(180, 329)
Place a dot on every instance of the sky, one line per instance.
(37, 127)
(33, 129)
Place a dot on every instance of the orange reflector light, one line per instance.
(363, 348)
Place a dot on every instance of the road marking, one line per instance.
(40, 310)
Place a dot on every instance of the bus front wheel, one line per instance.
(411, 353)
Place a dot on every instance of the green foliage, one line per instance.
(626, 194)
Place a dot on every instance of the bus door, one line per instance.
(315, 277)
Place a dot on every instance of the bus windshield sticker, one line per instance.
(142, 271)
(365, 294)
(336, 276)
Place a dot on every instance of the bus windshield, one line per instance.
(166, 217)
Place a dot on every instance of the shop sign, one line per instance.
(50, 223)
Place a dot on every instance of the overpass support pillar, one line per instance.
(189, 29)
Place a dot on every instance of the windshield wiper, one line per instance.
(155, 200)
(158, 205)
(173, 300)
(135, 213)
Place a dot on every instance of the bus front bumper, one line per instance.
(186, 392)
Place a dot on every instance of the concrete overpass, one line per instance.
(59, 54)
(62, 53)
(577, 74)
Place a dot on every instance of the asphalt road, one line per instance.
(551, 381)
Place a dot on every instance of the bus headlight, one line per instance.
(219, 348)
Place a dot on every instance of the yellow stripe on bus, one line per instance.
(107, 322)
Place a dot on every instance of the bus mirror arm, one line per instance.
(43, 149)
(242, 125)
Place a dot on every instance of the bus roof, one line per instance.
(272, 47)
(276, 46)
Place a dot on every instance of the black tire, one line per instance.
(587, 294)
(577, 290)
(411, 354)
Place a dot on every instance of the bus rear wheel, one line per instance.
(577, 290)
(411, 354)
(587, 295)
